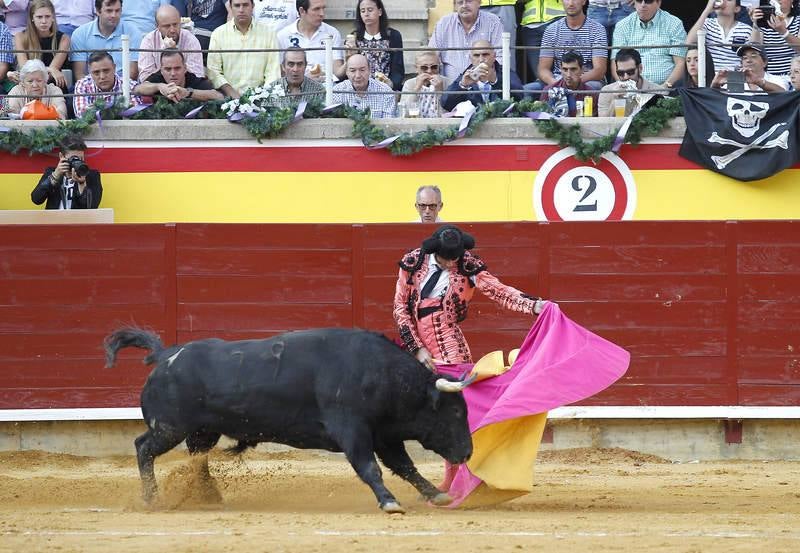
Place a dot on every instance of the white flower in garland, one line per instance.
(255, 100)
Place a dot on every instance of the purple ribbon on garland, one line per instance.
(301, 109)
(509, 108)
(383, 143)
(328, 109)
(194, 112)
(462, 128)
(238, 116)
(539, 115)
(130, 112)
(5, 129)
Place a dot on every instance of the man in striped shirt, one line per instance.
(651, 25)
(102, 82)
(722, 29)
(462, 29)
(233, 72)
(577, 33)
(780, 38)
(362, 91)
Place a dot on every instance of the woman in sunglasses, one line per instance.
(427, 87)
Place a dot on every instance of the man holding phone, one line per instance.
(753, 77)
(776, 25)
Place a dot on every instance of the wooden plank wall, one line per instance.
(710, 311)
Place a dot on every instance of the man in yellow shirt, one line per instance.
(233, 72)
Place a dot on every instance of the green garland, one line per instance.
(274, 121)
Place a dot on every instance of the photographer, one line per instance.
(71, 184)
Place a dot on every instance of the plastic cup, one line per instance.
(619, 107)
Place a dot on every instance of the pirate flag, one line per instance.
(746, 136)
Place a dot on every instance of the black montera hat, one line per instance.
(448, 242)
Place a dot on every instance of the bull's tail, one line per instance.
(132, 337)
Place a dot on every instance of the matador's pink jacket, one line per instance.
(438, 331)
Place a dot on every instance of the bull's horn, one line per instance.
(444, 385)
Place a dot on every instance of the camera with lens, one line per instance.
(79, 166)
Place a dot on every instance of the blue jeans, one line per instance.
(609, 18)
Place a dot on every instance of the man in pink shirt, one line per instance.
(169, 34)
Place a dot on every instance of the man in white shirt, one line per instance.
(311, 31)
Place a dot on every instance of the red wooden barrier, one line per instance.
(709, 311)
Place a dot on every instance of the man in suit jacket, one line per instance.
(68, 185)
(482, 81)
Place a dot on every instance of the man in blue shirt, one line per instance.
(104, 33)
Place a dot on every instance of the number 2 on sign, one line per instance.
(577, 186)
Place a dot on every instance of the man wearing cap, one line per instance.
(434, 287)
(754, 66)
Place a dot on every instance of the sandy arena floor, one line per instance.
(584, 500)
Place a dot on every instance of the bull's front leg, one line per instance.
(355, 439)
(396, 459)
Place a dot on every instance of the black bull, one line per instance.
(343, 390)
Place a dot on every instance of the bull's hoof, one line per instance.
(393, 508)
(441, 499)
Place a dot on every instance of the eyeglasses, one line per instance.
(426, 68)
(622, 73)
(648, 2)
(424, 207)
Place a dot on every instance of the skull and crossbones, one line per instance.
(746, 119)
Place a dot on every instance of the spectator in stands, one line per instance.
(105, 32)
(462, 29)
(722, 29)
(571, 81)
(652, 25)
(426, 85)
(754, 66)
(206, 15)
(35, 99)
(6, 58)
(575, 33)
(175, 82)
(429, 204)
(169, 34)
(795, 73)
(537, 15)
(15, 13)
(691, 72)
(311, 31)
(275, 14)
(483, 79)
(38, 41)
(609, 12)
(780, 39)
(71, 14)
(296, 85)
(141, 14)
(506, 10)
(629, 72)
(68, 185)
(102, 82)
(371, 36)
(233, 72)
(362, 92)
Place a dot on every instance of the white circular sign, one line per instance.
(566, 189)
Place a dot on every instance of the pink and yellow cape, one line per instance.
(559, 363)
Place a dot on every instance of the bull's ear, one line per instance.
(434, 397)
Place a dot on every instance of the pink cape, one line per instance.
(559, 363)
